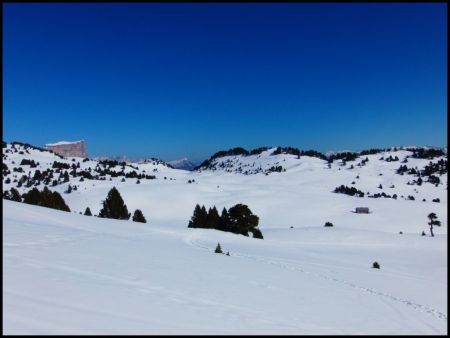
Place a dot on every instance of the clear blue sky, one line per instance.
(175, 80)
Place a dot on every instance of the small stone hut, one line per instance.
(362, 210)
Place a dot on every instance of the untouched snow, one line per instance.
(66, 273)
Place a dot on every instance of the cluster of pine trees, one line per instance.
(239, 219)
(426, 153)
(12, 195)
(114, 207)
(45, 198)
(349, 191)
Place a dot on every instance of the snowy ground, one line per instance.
(68, 273)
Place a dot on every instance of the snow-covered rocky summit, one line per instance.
(183, 164)
(65, 148)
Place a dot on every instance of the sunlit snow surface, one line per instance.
(65, 273)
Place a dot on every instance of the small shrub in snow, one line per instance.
(376, 265)
(218, 249)
(328, 224)
(257, 233)
(88, 212)
(138, 216)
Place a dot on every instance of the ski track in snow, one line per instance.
(282, 264)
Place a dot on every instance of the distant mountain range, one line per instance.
(183, 163)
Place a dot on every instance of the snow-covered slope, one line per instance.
(68, 273)
(72, 274)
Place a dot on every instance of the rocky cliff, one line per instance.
(64, 148)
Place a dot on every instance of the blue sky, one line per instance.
(175, 80)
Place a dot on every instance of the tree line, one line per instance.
(239, 219)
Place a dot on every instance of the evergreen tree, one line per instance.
(114, 206)
(37, 175)
(224, 221)
(203, 217)
(218, 249)
(46, 198)
(212, 218)
(87, 212)
(32, 197)
(15, 195)
(59, 202)
(239, 220)
(257, 233)
(242, 219)
(138, 216)
(433, 221)
(195, 219)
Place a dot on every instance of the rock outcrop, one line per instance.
(64, 148)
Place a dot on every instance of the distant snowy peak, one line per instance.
(183, 164)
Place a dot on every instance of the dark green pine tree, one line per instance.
(15, 195)
(224, 222)
(87, 212)
(212, 218)
(257, 233)
(114, 206)
(203, 219)
(218, 249)
(37, 175)
(32, 197)
(195, 219)
(242, 219)
(433, 221)
(45, 198)
(138, 216)
(59, 202)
